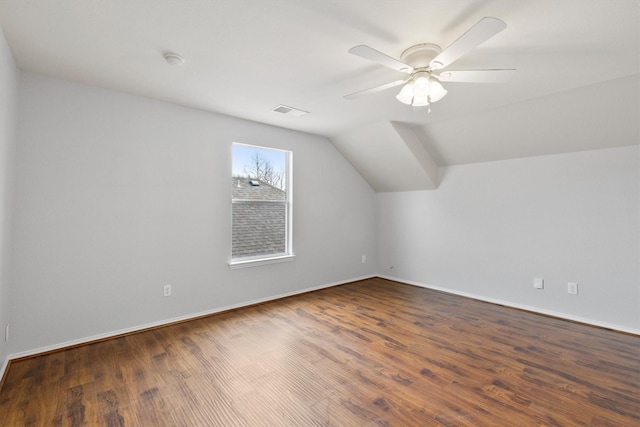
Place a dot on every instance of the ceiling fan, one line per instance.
(425, 65)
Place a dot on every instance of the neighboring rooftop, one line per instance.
(259, 227)
(255, 189)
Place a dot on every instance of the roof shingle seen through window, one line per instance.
(244, 190)
(258, 228)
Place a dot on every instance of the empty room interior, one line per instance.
(320, 213)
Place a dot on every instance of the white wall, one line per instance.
(118, 195)
(8, 110)
(490, 228)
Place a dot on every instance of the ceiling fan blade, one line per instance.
(476, 76)
(486, 28)
(375, 89)
(371, 54)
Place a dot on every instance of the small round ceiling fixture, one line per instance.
(173, 58)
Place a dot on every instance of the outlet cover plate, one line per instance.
(538, 283)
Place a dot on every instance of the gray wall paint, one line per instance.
(118, 195)
(8, 109)
(490, 228)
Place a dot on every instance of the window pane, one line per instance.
(259, 228)
(260, 202)
(268, 166)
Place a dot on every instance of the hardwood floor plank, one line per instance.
(369, 353)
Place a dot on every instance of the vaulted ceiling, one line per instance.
(575, 88)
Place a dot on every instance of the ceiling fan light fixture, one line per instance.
(406, 93)
(421, 91)
(437, 92)
(420, 99)
(422, 82)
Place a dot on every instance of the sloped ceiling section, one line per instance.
(598, 116)
(389, 157)
(398, 157)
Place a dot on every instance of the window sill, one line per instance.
(245, 263)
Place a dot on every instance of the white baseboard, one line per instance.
(116, 333)
(532, 309)
(134, 329)
(3, 369)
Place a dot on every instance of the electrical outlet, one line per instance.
(167, 290)
(364, 259)
(538, 283)
(572, 288)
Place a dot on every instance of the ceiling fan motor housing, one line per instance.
(420, 55)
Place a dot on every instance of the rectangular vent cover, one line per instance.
(290, 111)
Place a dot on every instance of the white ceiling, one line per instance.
(244, 57)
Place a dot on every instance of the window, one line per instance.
(261, 205)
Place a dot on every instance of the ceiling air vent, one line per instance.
(290, 111)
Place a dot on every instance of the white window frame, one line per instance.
(288, 255)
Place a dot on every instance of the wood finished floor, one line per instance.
(370, 353)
